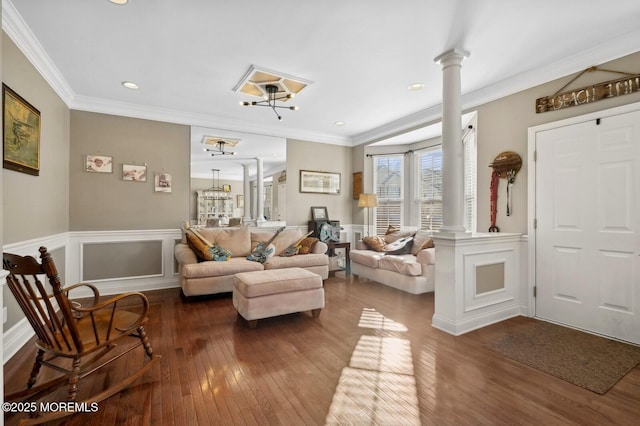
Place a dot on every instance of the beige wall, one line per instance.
(103, 201)
(37, 206)
(304, 155)
(503, 126)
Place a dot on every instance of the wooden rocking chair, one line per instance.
(75, 339)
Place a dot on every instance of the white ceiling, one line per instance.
(361, 55)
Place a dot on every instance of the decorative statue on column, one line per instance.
(506, 166)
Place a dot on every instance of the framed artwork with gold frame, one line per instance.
(20, 133)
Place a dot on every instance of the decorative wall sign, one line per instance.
(585, 95)
(21, 133)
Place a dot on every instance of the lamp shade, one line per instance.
(368, 200)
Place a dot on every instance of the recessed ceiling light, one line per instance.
(130, 85)
(119, 1)
(339, 123)
(416, 86)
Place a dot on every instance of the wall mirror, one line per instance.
(225, 169)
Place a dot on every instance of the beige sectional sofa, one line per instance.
(198, 277)
(412, 272)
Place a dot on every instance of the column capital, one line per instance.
(456, 55)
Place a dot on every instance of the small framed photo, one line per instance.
(163, 182)
(134, 173)
(240, 201)
(99, 164)
(319, 213)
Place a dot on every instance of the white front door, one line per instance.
(588, 226)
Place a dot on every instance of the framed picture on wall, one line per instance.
(357, 185)
(319, 182)
(99, 164)
(163, 182)
(21, 133)
(134, 173)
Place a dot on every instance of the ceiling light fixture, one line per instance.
(220, 150)
(119, 1)
(339, 123)
(415, 87)
(130, 85)
(271, 98)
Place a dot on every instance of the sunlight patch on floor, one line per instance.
(370, 318)
(378, 386)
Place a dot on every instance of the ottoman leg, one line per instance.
(253, 323)
(315, 312)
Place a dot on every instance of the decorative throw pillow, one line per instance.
(219, 253)
(375, 243)
(400, 246)
(394, 234)
(421, 240)
(307, 245)
(199, 248)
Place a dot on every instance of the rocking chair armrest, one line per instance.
(113, 300)
(94, 289)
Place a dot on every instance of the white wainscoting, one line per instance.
(72, 245)
(166, 279)
(459, 307)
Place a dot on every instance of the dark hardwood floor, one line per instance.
(371, 357)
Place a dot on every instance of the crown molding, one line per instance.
(21, 35)
(105, 106)
(604, 52)
(18, 31)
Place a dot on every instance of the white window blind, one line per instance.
(388, 182)
(429, 188)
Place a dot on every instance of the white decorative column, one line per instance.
(452, 149)
(246, 190)
(260, 192)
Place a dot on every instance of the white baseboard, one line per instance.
(458, 328)
(15, 338)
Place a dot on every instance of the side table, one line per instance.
(333, 245)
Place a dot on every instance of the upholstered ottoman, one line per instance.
(269, 293)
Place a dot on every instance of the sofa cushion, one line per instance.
(366, 257)
(217, 269)
(236, 240)
(427, 256)
(421, 240)
(305, 261)
(405, 264)
(275, 282)
(374, 242)
(283, 240)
